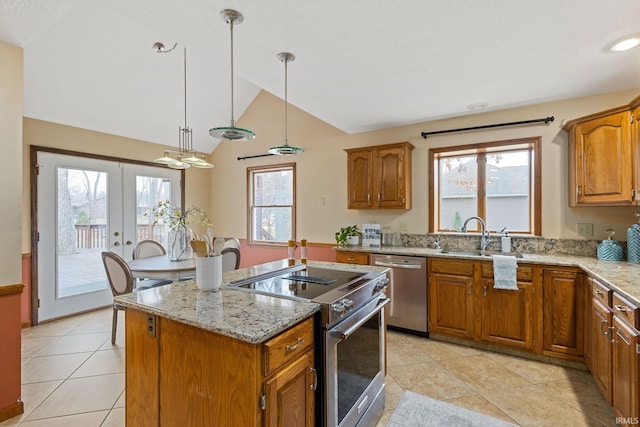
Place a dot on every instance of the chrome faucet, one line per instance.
(485, 238)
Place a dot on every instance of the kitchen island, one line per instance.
(225, 358)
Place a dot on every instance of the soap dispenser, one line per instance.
(610, 249)
(633, 241)
(505, 241)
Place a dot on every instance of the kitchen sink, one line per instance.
(479, 253)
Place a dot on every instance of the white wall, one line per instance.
(11, 169)
(322, 168)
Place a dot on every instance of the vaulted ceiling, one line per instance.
(360, 64)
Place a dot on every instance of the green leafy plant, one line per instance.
(345, 232)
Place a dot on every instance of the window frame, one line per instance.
(535, 185)
(251, 171)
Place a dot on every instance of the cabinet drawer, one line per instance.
(625, 310)
(600, 292)
(288, 345)
(352, 257)
(451, 266)
(524, 273)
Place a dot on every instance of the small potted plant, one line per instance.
(348, 236)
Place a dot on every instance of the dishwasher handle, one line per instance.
(398, 265)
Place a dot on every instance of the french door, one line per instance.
(86, 206)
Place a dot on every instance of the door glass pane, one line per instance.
(149, 191)
(508, 182)
(458, 191)
(82, 217)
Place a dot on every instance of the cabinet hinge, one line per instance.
(263, 402)
(151, 326)
(631, 118)
(633, 193)
(534, 342)
(638, 348)
(533, 290)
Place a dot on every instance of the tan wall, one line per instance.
(47, 134)
(322, 169)
(11, 84)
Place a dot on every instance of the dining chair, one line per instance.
(121, 282)
(230, 259)
(146, 249)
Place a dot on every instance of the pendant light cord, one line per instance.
(185, 87)
(286, 125)
(233, 123)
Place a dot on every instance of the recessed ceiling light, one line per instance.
(626, 43)
(478, 106)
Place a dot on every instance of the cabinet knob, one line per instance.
(294, 346)
(621, 308)
(597, 292)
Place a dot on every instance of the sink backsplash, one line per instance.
(526, 245)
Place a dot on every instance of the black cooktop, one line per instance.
(305, 284)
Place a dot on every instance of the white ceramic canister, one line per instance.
(209, 273)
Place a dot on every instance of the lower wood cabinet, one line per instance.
(625, 358)
(451, 298)
(463, 303)
(351, 257)
(178, 374)
(564, 312)
(509, 317)
(601, 352)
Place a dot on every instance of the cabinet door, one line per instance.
(290, 395)
(600, 332)
(360, 180)
(563, 314)
(603, 162)
(625, 370)
(389, 179)
(451, 308)
(507, 315)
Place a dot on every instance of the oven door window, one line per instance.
(358, 362)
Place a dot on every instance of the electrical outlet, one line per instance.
(402, 225)
(585, 229)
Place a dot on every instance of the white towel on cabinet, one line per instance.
(504, 272)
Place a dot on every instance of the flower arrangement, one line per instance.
(177, 221)
(167, 213)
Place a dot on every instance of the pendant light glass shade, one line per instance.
(232, 132)
(285, 149)
(186, 156)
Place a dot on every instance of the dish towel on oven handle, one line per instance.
(504, 272)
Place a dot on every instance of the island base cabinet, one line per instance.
(289, 395)
(177, 374)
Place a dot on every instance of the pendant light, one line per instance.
(232, 132)
(285, 149)
(186, 156)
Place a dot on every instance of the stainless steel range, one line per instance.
(351, 330)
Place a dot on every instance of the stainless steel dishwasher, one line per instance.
(407, 291)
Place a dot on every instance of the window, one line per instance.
(497, 181)
(272, 208)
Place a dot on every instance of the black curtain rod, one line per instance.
(256, 156)
(546, 120)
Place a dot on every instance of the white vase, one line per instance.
(353, 240)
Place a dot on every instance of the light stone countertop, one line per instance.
(247, 316)
(621, 276)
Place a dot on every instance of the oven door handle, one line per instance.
(398, 265)
(343, 335)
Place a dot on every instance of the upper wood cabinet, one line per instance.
(379, 177)
(603, 157)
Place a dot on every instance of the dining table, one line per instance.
(161, 267)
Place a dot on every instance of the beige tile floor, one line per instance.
(73, 376)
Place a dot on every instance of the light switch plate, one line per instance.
(585, 229)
